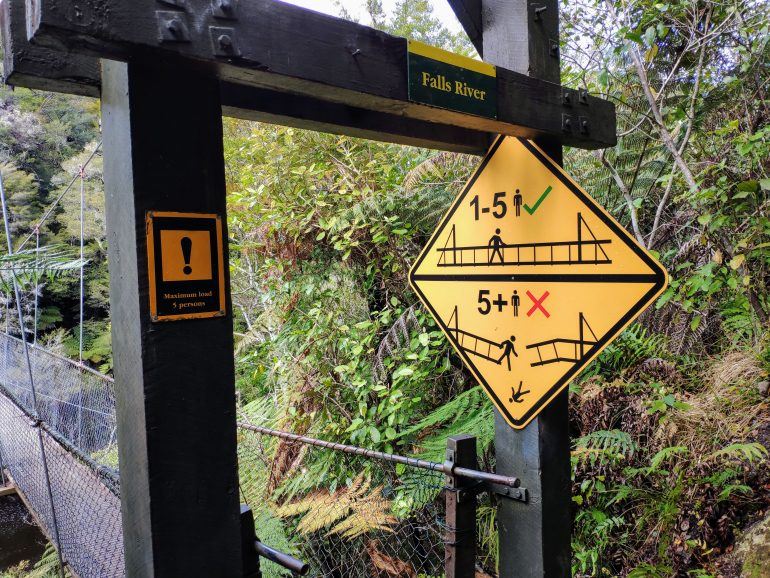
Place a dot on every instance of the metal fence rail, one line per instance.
(354, 512)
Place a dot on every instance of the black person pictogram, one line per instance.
(508, 348)
(496, 244)
(517, 201)
(517, 395)
(515, 301)
(186, 243)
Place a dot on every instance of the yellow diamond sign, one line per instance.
(530, 278)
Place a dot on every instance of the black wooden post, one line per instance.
(523, 35)
(460, 549)
(174, 380)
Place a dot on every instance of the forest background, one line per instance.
(670, 425)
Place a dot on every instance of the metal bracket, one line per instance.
(583, 96)
(223, 42)
(568, 97)
(537, 10)
(518, 494)
(224, 9)
(584, 124)
(172, 26)
(177, 3)
(566, 123)
(553, 48)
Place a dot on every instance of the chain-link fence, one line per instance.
(74, 400)
(352, 512)
(346, 515)
(60, 455)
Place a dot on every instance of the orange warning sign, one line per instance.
(185, 266)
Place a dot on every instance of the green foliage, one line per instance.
(634, 345)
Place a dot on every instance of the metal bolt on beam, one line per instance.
(223, 9)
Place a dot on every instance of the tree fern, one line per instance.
(349, 511)
(469, 413)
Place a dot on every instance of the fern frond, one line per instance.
(747, 452)
(603, 447)
(350, 511)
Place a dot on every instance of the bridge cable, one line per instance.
(33, 389)
(37, 285)
(82, 300)
(52, 206)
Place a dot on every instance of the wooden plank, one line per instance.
(174, 381)
(7, 490)
(468, 12)
(305, 53)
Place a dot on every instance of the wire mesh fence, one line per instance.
(74, 400)
(76, 498)
(346, 515)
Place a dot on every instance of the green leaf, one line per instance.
(424, 339)
(737, 261)
(650, 35)
(748, 186)
(403, 371)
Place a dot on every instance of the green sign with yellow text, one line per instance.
(446, 80)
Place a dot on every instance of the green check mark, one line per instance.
(532, 210)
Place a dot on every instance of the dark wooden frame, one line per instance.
(330, 60)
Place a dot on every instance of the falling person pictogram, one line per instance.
(517, 395)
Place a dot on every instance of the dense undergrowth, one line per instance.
(670, 426)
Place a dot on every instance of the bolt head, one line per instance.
(174, 26)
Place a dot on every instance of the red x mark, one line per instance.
(538, 304)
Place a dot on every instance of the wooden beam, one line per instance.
(42, 68)
(174, 380)
(535, 536)
(7, 490)
(468, 12)
(288, 49)
(252, 103)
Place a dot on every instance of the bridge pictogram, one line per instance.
(563, 349)
(581, 251)
(480, 346)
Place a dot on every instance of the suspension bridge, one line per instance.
(564, 349)
(585, 249)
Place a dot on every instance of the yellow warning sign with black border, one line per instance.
(530, 278)
(185, 266)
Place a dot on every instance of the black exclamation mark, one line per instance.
(186, 252)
